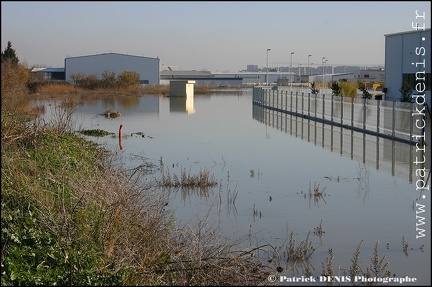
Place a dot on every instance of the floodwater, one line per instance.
(267, 173)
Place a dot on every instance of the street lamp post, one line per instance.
(300, 65)
(267, 67)
(291, 79)
(308, 66)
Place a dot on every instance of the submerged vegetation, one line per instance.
(95, 133)
(204, 179)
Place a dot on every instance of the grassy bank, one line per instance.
(52, 89)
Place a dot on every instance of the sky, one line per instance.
(218, 36)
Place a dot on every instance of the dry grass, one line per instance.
(141, 234)
(53, 90)
(59, 89)
(327, 265)
(302, 252)
(64, 89)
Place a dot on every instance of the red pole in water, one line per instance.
(120, 136)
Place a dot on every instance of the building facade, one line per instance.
(201, 78)
(369, 75)
(408, 59)
(147, 68)
(50, 74)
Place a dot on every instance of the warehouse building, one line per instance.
(407, 59)
(201, 78)
(147, 68)
(50, 74)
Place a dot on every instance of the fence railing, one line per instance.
(387, 119)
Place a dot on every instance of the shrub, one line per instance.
(348, 89)
(363, 88)
(336, 89)
(406, 91)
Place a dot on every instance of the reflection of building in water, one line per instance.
(182, 104)
(149, 104)
(385, 154)
(182, 96)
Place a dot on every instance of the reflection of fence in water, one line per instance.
(387, 119)
(365, 130)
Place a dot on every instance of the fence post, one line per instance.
(302, 93)
(352, 112)
(364, 114)
(273, 98)
(378, 116)
(262, 97)
(342, 107)
(411, 131)
(277, 98)
(291, 102)
(393, 120)
(331, 111)
(323, 109)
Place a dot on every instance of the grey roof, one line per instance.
(53, 70)
(104, 54)
(408, 32)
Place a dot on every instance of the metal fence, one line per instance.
(387, 119)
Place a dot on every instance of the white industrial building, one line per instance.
(369, 75)
(256, 78)
(205, 78)
(147, 68)
(407, 58)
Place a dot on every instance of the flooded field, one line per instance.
(326, 196)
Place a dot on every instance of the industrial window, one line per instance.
(366, 76)
(411, 79)
(143, 82)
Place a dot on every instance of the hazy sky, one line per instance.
(216, 36)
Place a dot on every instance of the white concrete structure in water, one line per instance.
(408, 59)
(182, 93)
(181, 88)
(147, 68)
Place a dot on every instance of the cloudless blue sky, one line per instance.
(216, 36)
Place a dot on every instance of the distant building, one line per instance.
(200, 78)
(147, 68)
(369, 76)
(50, 74)
(252, 68)
(327, 78)
(169, 68)
(256, 78)
(407, 59)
